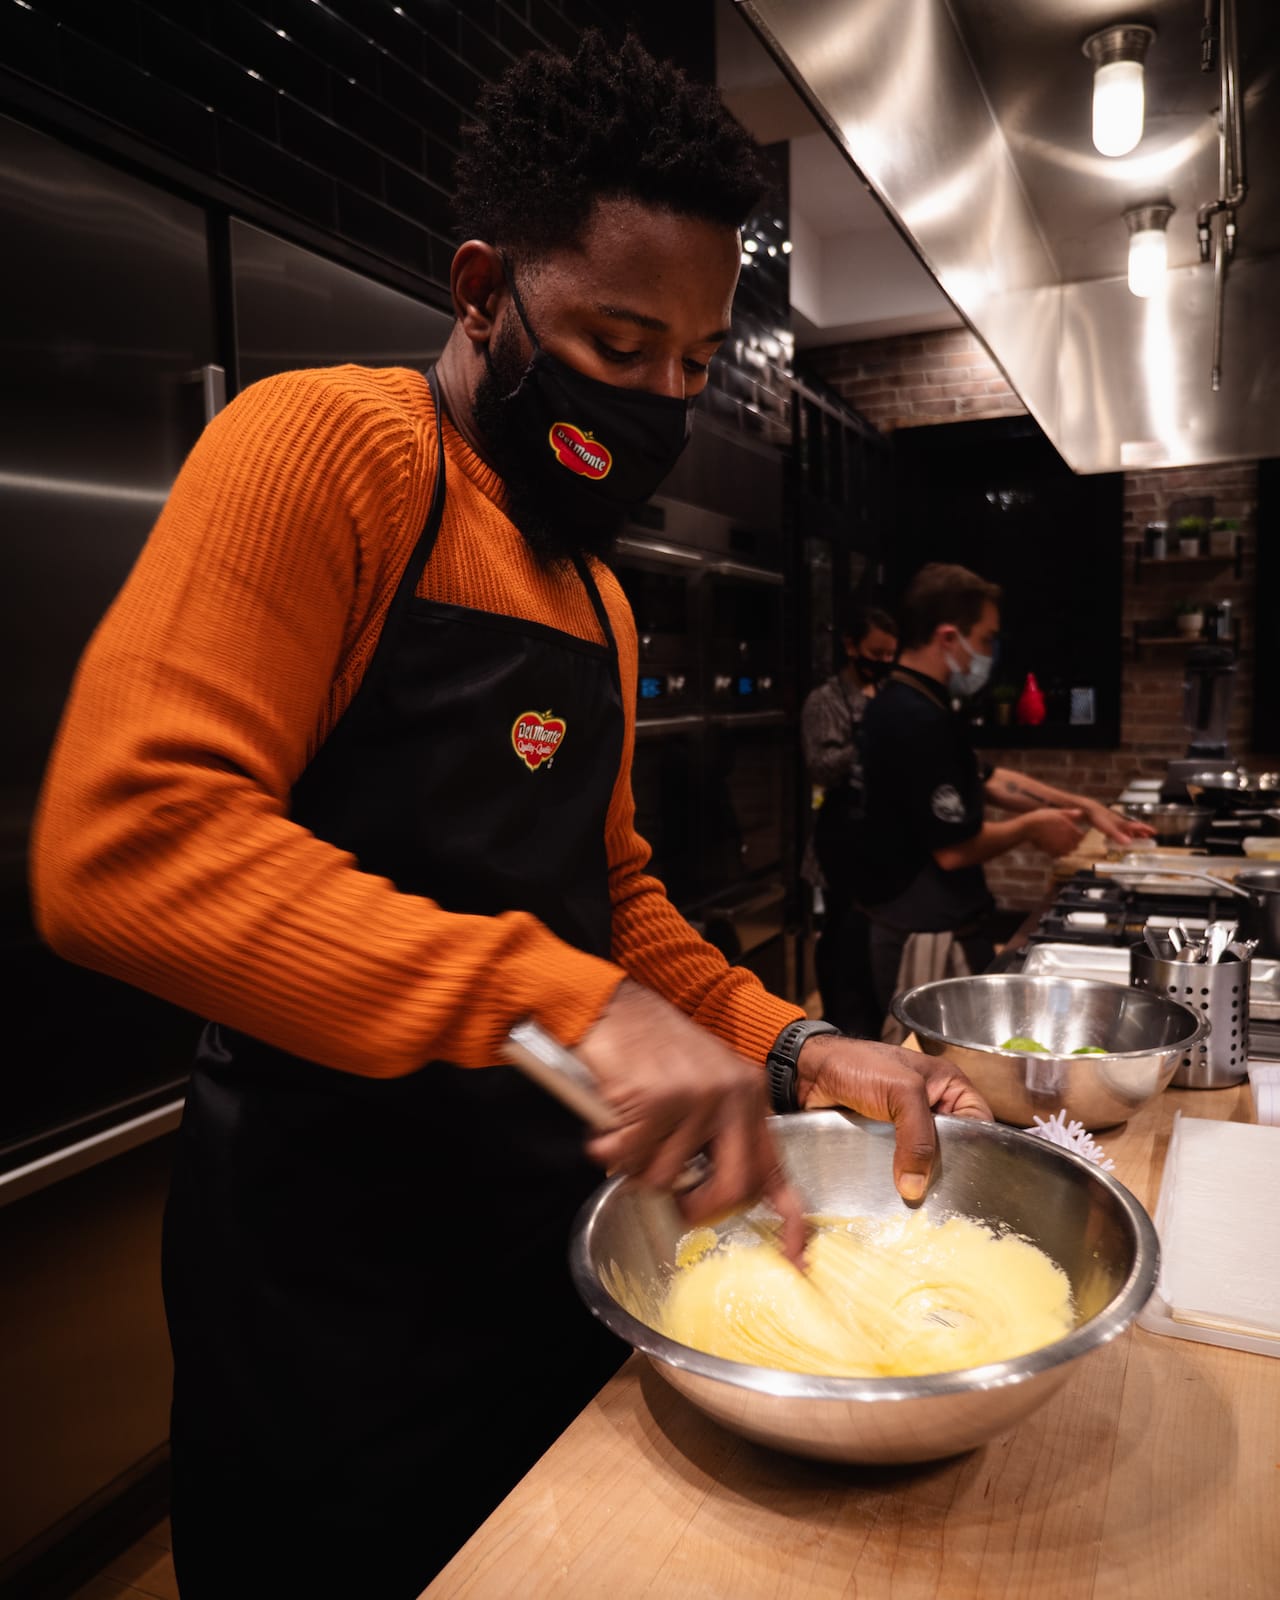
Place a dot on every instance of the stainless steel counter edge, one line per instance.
(85, 1153)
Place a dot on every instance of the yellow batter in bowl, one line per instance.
(889, 1297)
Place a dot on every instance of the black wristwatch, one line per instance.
(780, 1063)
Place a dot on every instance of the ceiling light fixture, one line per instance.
(1148, 247)
(1118, 96)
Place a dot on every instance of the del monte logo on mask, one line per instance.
(579, 451)
(536, 736)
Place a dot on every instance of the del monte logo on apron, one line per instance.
(536, 736)
(580, 452)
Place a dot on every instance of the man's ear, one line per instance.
(478, 286)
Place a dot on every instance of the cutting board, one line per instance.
(1219, 1241)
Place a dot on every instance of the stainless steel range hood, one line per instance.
(970, 121)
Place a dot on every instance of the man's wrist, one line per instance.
(782, 1065)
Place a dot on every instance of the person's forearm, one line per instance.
(1019, 792)
(991, 840)
(656, 946)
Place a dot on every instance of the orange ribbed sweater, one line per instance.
(163, 853)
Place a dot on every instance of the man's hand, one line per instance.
(1120, 830)
(678, 1091)
(901, 1086)
(1055, 832)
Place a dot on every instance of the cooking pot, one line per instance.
(1260, 914)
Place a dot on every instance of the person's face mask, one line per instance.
(872, 671)
(588, 449)
(965, 682)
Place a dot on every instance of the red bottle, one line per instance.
(1030, 708)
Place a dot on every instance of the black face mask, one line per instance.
(871, 671)
(580, 451)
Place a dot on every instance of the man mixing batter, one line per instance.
(346, 769)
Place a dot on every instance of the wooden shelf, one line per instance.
(1140, 640)
(1232, 558)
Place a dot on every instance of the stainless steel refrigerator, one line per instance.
(111, 361)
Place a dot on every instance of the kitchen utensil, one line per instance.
(967, 1019)
(1156, 939)
(1173, 824)
(1219, 996)
(556, 1069)
(1218, 937)
(623, 1251)
(1177, 938)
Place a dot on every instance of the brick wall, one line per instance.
(946, 377)
(918, 379)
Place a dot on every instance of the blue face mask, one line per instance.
(964, 683)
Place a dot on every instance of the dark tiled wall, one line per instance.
(343, 115)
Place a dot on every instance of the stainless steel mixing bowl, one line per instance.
(1172, 824)
(1145, 1036)
(624, 1245)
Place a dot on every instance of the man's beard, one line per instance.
(554, 534)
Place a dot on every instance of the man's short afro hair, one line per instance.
(553, 135)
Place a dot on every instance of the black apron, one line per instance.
(374, 1329)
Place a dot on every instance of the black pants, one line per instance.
(371, 1345)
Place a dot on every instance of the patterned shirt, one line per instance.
(829, 725)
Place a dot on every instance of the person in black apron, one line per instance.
(926, 836)
(374, 1329)
(344, 1370)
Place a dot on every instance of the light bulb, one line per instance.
(1148, 258)
(1118, 105)
(1117, 54)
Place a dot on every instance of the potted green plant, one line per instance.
(1222, 536)
(1190, 618)
(1191, 532)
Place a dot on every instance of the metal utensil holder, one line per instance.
(1219, 993)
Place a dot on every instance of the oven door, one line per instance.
(664, 783)
(745, 798)
(661, 584)
(743, 629)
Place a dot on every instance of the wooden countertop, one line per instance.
(1153, 1472)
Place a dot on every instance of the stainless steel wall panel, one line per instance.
(969, 119)
(294, 308)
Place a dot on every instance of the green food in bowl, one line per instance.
(1089, 1050)
(1018, 1042)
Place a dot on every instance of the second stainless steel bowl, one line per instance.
(1144, 1036)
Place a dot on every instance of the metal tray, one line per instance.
(1105, 962)
(1264, 991)
(1111, 965)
